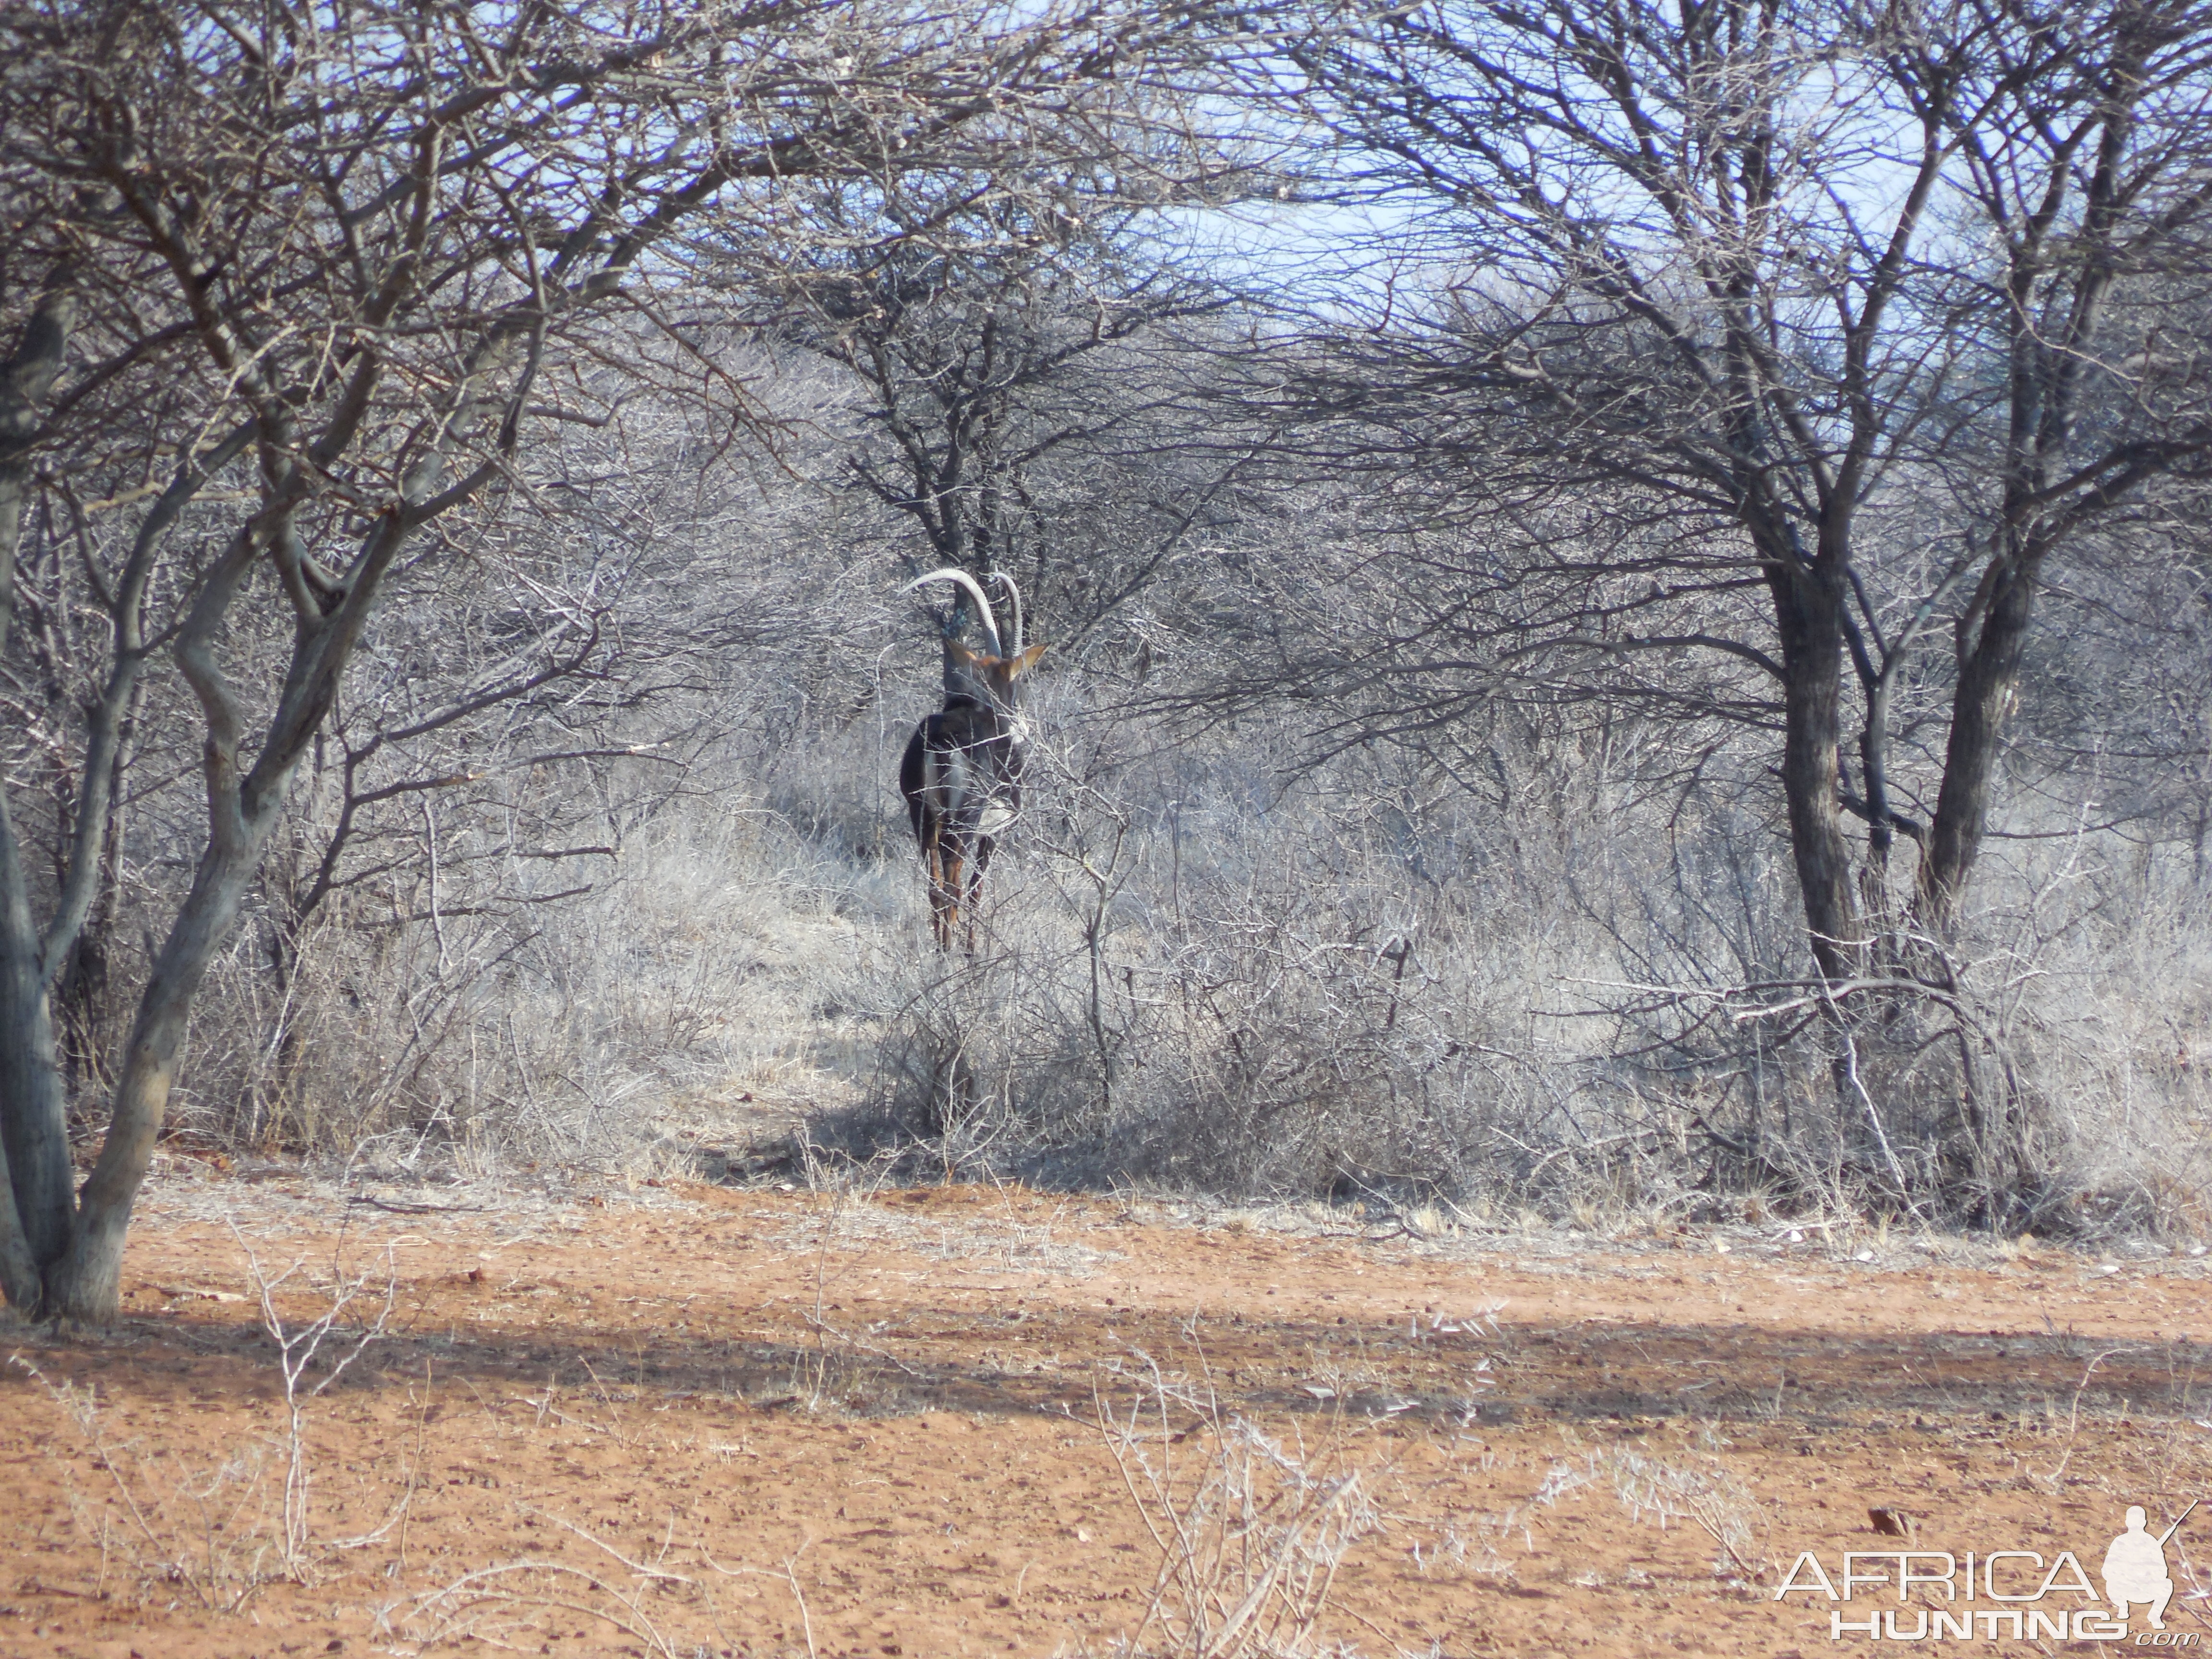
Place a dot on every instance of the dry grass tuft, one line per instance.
(1251, 1530)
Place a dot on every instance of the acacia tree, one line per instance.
(1697, 292)
(998, 337)
(336, 261)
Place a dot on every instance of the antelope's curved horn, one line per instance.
(1014, 598)
(951, 573)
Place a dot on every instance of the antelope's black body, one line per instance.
(962, 778)
(962, 771)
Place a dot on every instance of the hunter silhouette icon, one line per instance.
(2135, 1567)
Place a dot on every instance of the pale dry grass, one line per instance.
(1251, 1528)
(1200, 976)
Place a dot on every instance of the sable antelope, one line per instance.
(962, 772)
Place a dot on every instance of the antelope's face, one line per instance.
(993, 677)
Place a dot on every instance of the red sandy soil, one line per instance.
(688, 1420)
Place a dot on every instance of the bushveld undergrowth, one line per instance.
(1198, 972)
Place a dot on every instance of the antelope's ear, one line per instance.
(1021, 664)
(961, 655)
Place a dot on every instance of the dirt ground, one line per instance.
(688, 1419)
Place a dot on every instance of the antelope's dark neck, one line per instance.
(971, 705)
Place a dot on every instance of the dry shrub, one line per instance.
(226, 1529)
(1251, 1530)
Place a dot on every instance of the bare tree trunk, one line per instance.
(34, 1195)
(1988, 679)
(35, 1216)
(86, 1282)
(1810, 615)
(81, 980)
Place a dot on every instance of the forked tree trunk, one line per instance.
(86, 1282)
